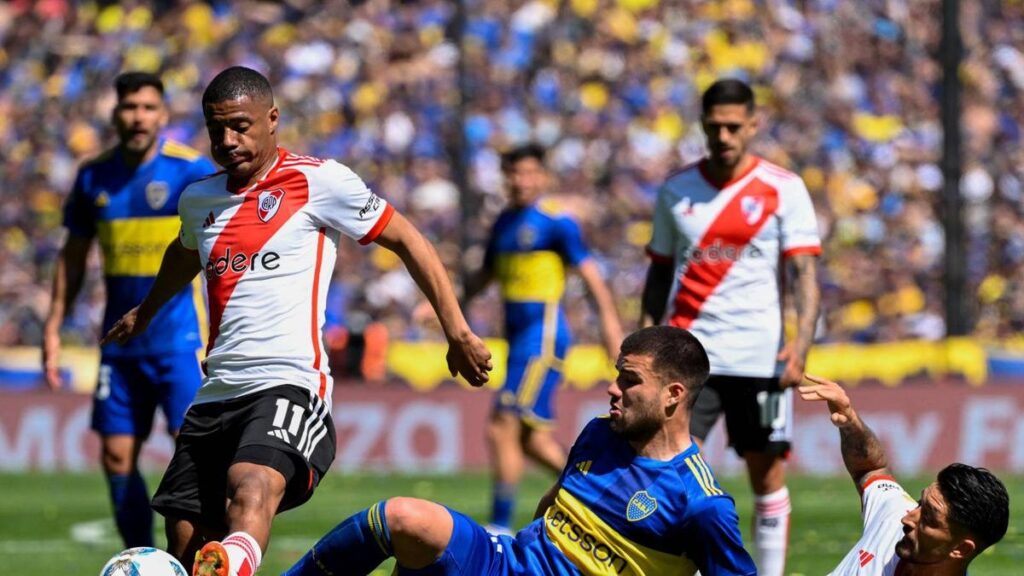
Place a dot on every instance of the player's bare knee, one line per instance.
(406, 516)
(116, 461)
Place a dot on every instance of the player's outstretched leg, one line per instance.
(415, 532)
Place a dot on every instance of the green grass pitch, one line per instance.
(60, 524)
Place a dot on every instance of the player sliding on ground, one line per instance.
(636, 496)
(959, 515)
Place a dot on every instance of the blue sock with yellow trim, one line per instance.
(503, 505)
(353, 548)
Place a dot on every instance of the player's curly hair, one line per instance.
(978, 503)
(238, 82)
(678, 356)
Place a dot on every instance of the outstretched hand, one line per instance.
(129, 326)
(469, 357)
(838, 402)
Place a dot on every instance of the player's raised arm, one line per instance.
(467, 354)
(862, 451)
(178, 267)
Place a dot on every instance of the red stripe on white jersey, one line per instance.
(314, 317)
(379, 227)
(246, 234)
(812, 250)
(731, 229)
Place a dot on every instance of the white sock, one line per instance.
(244, 554)
(771, 531)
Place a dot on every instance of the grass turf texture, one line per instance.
(39, 513)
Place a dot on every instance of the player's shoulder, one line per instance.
(293, 160)
(597, 430)
(215, 183)
(550, 208)
(683, 181)
(100, 161)
(698, 482)
(174, 150)
(781, 178)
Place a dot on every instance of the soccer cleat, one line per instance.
(212, 560)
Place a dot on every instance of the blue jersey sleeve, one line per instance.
(715, 544)
(79, 210)
(571, 239)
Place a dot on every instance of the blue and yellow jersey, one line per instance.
(617, 513)
(133, 212)
(528, 252)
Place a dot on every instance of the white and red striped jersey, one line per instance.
(727, 243)
(885, 503)
(268, 254)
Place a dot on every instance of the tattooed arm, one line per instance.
(862, 452)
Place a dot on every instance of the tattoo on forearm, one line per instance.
(862, 451)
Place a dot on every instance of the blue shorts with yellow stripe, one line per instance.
(538, 339)
(529, 389)
(129, 389)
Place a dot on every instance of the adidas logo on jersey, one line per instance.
(209, 220)
(865, 558)
(282, 434)
(584, 466)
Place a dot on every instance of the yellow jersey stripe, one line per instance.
(179, 150)
(537, 276)
(709, 475)
(598, 549)
(698, 476)
(135, 246)
(708, 480)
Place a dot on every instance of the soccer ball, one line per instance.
(143, 561)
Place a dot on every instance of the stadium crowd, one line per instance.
(849, 91)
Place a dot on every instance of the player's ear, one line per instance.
(272, 116)
(964, 550)
(675, 395)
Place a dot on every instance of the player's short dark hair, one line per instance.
(678, 356)
(131, 82)
(977, 501)
(727, 91)
(236, 83)
(530, 150)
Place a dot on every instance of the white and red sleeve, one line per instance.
(883, 500)
(799, 224)
(339, 199)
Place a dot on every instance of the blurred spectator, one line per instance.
(610, 86)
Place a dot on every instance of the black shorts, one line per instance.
(286, 428)
(758, 414)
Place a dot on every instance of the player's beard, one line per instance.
(637, 424)
(905, 548)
